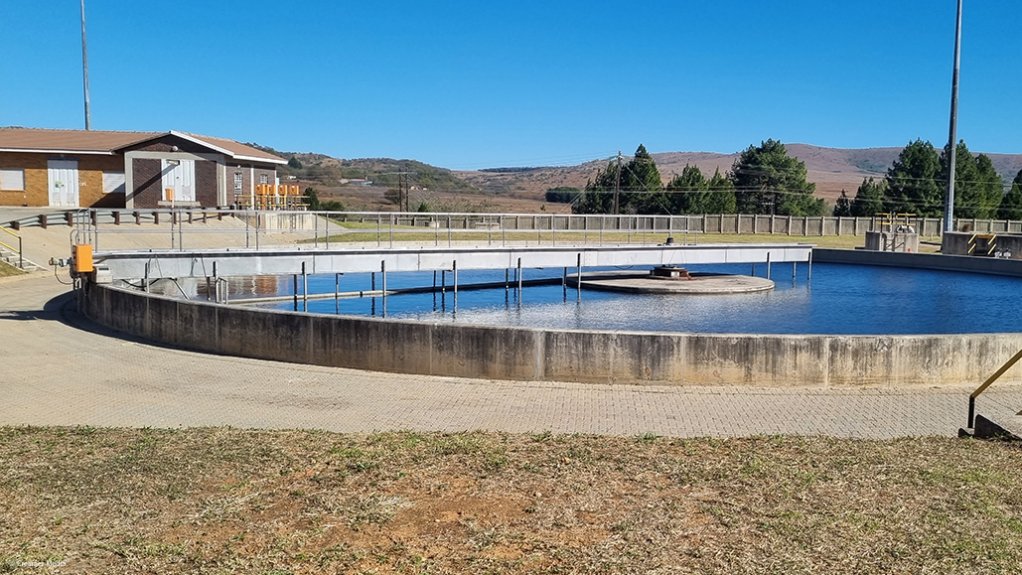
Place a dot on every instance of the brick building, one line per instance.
(77, 168)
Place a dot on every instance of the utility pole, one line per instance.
(85, 72)
(617, 186)
(949, 207)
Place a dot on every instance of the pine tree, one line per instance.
(1011, 204)
(869, 199)
(769, 181)
(720, 193)
(843, 206)
(641, 186)
(912, 181)
(687, 191)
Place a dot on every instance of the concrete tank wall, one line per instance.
(556, 355)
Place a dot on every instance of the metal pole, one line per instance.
(383, 276)
(768, 265)
(579, 278)
(454, 270)
(305, 289)
(519, 276)
(949, 207)
(507, 273)
(294, 290)
(794, 271)
(85, 72)
(809, 276)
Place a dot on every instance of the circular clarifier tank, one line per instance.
(838, 299)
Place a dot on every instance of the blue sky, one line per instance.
(485, 84)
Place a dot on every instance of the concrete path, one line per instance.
(56, 368)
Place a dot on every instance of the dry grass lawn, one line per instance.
(85, 500)
(7, 270)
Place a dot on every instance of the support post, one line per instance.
(578, 278)
(305, 289)
(383, 277)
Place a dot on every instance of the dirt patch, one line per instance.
(84, 500)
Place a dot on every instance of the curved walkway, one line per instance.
(57, 368)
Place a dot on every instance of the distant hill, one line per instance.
(522, 188)
(831, 169)
(384, 172)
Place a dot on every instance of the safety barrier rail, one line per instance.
(19, 250)
(990, 380)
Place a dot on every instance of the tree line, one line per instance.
(763, 180)
(916, 183)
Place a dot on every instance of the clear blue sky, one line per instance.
(475, 84)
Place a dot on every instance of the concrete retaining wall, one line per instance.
(556, 355)
(972, 264)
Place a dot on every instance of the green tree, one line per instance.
(843, 206)
(642, 186)
(294, 163)
(978, 186)
(869, 199)
(639, 182)
(912, 181)
(769, 181)
(1011, 203)
(687, 191)
(720, 195)
(312, 199)
(598, 195)
(562, 194)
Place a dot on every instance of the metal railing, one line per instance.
(990, 380)
(19, 250)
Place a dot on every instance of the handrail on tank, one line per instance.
(990, 380)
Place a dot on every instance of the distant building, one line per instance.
(77, 168)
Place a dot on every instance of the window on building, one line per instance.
(264, 179)
(238, 182)
(113, 182)
(12, 179)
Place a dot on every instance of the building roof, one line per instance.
(109, 142)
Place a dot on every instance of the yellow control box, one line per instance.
(82, 263)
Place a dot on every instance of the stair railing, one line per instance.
(990, 380)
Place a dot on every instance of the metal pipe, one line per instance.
(519, 276)
(383, 277)
(768, 265)
(294, 290)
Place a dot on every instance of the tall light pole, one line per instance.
(949, 206)
(85, 71)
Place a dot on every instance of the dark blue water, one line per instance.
(840, 299)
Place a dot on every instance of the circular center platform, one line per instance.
(691, 283)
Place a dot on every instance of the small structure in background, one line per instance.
(133, 170)
(896, 234)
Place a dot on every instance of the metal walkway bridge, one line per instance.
(288, 261)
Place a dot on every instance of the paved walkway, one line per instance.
(56, 368)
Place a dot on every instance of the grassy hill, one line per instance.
(361, 184)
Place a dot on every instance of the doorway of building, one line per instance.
(62, 176)
(179, 176)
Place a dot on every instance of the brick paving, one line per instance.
(55, 369)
